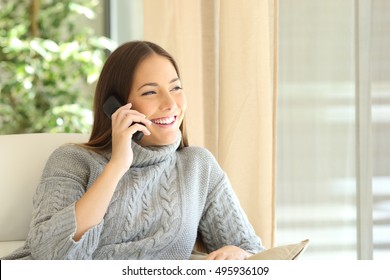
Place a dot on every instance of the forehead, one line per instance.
(155, 67)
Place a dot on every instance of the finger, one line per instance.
(122, 113)
(216, 255)
(129, 119)
(132, 119)
(125, 109)
(127, 106)
(210, 256)
(220, 257)
(139, 127)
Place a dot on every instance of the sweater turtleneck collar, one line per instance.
(145, 156)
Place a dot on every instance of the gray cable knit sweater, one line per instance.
(165, 199)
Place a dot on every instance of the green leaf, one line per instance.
(82, 10)
(51, 46)
(45, 80)
(35, 45)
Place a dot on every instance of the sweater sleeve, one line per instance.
(223, 221)
(64, 181)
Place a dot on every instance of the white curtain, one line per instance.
(334, 70)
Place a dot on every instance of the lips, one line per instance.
(164, 121)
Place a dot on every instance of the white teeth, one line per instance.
(168, 120)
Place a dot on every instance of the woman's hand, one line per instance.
(126, 122)
(228, 253)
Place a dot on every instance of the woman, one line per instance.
(114, 198)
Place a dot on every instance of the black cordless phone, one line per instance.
(110, 106)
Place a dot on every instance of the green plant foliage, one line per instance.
(47, 61)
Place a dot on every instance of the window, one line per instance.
(321, 51)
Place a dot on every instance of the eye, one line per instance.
(176, 88)
(148, 93)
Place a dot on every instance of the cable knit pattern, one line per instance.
(164, 200)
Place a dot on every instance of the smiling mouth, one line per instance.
(165, 121)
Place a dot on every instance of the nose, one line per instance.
(167, 102)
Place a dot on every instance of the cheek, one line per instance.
(181, 102)
(142, 107)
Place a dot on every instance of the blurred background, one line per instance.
(334, 126)
(332, 114)
(51, 53)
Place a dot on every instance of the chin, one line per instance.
(161, 141)
(168, 140)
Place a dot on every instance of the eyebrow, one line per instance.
(155, 84)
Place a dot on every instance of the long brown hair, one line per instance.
(116, 78)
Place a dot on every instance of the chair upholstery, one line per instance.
(22, 159)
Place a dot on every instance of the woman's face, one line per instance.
(156, 92)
